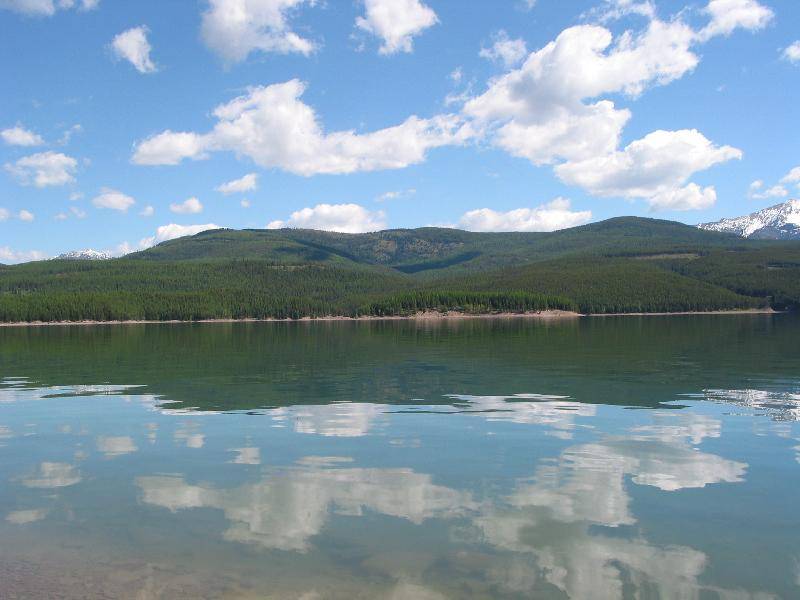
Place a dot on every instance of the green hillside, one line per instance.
(619, 265)
(435, 249)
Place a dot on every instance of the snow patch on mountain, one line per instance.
(87, 254)
(781, 221)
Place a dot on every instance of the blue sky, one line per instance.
(122, 122)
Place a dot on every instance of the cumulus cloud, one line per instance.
(19, 136)
(26, 215)
(757, 191)
(248, 183)
(792, 176)
(233, 29)
(505, 51)
(653, 168)
(113, 200)
(173, 231)
(44, 169)
(554, 215)
(170, 148)
(190, 206)
(396, 22)
(729, 15)
(792, 53)
(344, 218)
(147, 211)
(9, 256)
(539, 111)
(4, 214)
(132, 45)
(274, 128)
(46, 8)
(690, 197)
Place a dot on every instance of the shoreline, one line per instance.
(424, 316)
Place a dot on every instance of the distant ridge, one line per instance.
(622, 265)
(778, 222)
(87, 254)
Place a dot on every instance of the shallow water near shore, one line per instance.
(653, 457)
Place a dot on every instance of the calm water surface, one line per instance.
(601, 458)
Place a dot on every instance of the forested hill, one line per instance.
(619, 265)
(435, 249)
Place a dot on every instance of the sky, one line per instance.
(124, 124)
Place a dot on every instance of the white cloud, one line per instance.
(19, 136)
(729, 15)
(190, 206)
(504, 50)
(77, 212)
(4, 214)
(456, 75)
(9, 256)
(233, 29)
(25, 215)
(345, 218)
(173, 231)
(132, 45)
(274, 128)
(245, 203)
(776, 191)
(654, 168)
(170, 148)
(547, 217)
(396, 22)
(66, 137)
(539, 112)
(44, 169)
(113, 199)
(248, 183)
(792, 176)
(691, 197)
(792, 52)
(395, 195)
(45, 8)
(617, 9)
(147, 211)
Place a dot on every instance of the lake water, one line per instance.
(595, 458)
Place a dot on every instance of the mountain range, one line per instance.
(622, 265)
(779, 222)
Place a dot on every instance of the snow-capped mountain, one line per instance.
(779, 222)
(87, 254)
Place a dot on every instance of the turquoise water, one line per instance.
(598, 458)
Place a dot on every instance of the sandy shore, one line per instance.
(745, 311)
(423, 316)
